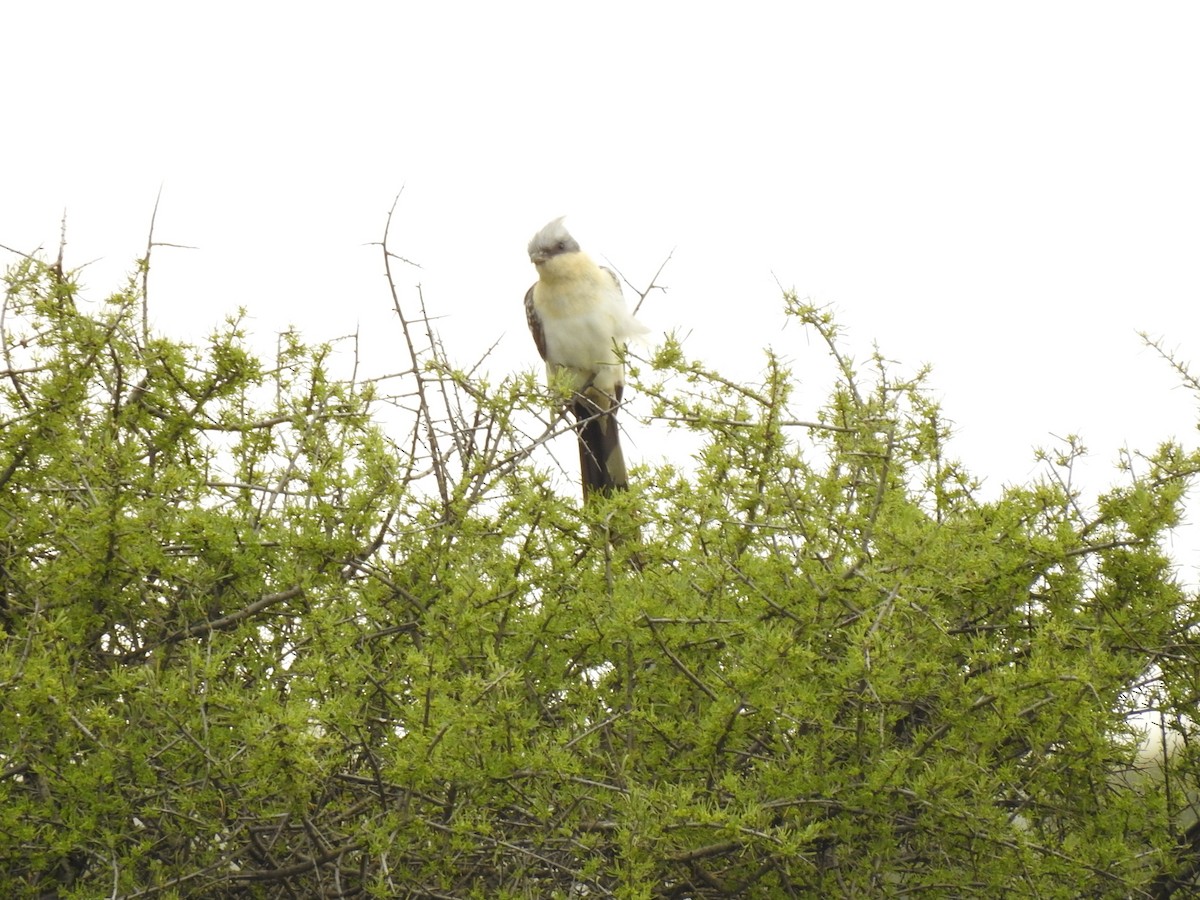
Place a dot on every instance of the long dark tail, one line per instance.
(601, 462)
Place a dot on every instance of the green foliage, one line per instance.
(252, 645)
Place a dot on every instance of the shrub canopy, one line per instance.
(268, 631)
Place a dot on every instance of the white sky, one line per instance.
(1008, 191)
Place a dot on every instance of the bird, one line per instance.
(581, 326)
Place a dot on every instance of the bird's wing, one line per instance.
(616, 280)
(535, 323)
(625, 326)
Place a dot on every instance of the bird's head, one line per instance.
(552, 240)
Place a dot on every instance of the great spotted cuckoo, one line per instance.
(580, 323)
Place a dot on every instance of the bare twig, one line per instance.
(653, 286)
(425, 411)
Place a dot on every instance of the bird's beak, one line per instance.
(537, 258)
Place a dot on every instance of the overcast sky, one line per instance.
(1008, 191)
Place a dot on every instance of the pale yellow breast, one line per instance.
(571, 283)
(580, 309)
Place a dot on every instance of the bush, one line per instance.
(254, 644)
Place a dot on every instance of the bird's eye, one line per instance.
(562, 245)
